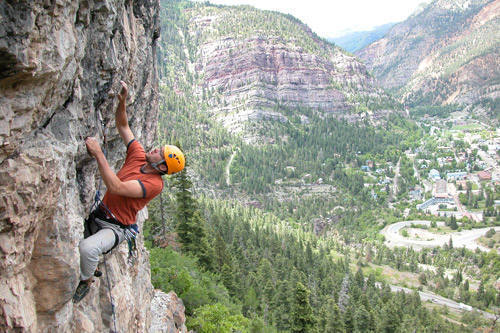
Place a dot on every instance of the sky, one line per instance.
(332, 18)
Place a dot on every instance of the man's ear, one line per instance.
(163, 167)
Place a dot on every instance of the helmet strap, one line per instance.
(155, 166)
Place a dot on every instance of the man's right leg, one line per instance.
(90, 249)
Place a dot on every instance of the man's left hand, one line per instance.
(93, 146)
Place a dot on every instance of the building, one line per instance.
(365, 168)
(416, 193)
(435, 202)
(441, 189)
(495, 176)
(434, 174)
(451, 176)
(484, 175)
(462, 183)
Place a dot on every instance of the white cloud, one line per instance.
(329, 18)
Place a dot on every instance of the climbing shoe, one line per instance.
(82, 290)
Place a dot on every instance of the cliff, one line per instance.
(61, 63)
(445, 54)
(251, 65)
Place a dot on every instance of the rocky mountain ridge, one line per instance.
(252, 64)
(60, 70)
(353, 41)
(446, 54)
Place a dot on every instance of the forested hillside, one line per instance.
(272, 228)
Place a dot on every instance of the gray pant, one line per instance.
(92, 246)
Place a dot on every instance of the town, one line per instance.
(452, 174)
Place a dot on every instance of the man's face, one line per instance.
(154, 156)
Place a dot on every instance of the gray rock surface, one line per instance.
(167, 312)
(61, 63)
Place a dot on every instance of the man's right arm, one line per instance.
(121, 119)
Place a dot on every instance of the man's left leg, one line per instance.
(90, 249)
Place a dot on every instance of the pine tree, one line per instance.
(221, 254)
(281, 303)
(334, 323)
(190, 223)
(453, 223)
(361, 319)
(228, 279)
(303, 320)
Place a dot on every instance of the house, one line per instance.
(385, 181)
(462, 183)
(365, 168)
(451, 176)
(495, 176)
(484, 175)
(370, 163)
(416, 194)
(434, 174)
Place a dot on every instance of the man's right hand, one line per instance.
(122, 96)
(93, 146)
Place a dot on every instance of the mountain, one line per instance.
(446, 54)
(354, 41)
(253, 84)
(250, 65)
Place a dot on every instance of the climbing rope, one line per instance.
(98, 203)
(110, 295)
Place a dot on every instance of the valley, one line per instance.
(307, 176)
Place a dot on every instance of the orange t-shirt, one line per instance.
(124, 208)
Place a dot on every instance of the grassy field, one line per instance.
(468, 127)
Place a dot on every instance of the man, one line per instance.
(128, 191)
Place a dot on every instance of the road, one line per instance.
(463, 238)
(395, 187)
(228, 168)
(426, 296)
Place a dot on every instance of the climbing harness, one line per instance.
(130, 231)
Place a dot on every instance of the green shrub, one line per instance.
(216, 318)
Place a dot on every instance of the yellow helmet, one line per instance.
(174, 158)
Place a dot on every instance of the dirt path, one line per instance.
(228, 168)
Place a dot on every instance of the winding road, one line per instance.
(426, 296)
(463, 238)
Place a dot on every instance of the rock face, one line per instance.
(167, 312)
(448, 53)
(60, 67)
(253, 65)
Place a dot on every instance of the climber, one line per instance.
(128, 191)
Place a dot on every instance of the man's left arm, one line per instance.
(130, 188)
